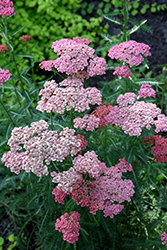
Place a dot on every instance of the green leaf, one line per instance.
(18, 31)
(136, 27)
(28, 56)
(153, 9)
(113, 19)
(135, 5)
(99, 12)
(1, 241)
(11, 238)
(134, 12)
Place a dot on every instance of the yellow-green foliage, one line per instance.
(50, 20)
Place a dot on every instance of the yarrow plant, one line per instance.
(87, 173)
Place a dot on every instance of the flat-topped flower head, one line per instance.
(88, 122)
(26, 38)
(146, 90)
(4, 75)
(131, 52)
(74, 96)
(6, 8)
(75, 56)
(32, 149)
(69, 226)
(122, 71)
(127, 98)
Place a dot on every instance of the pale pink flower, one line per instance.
(130, 52)
(122, 71)
(164, 239)
(71, 82)
(88, 122)
(65, 179)
(6, 8)
(114, 117)
(3, 48)
(69, 226)
(137, 116)
(146, 90)
(127, 98)
(4, 75)
(161, 123)
(32, 149)
(75, 56)
(90, 164)
(58, 100)
(96, 66)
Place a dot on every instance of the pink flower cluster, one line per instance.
(65, 179)
(84, 142)
(164, 239)
(122, 71)
(69, 226)
(130, 52)
(101, 112)
(133, 116)
(161, 123)
(56, 99)
(88, 122)
(4, 75)
(159, 149)
(90, 164)
(127, 98)
(146, 90)
(26, 38)
(6, 8)
(32, 149)
(106, 188)
(3, 48)
(75, 56)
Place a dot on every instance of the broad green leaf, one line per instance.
(1, 241)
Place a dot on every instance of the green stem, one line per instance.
(32, 63)
(51, 119)
(125, 16)
(105, 143)
(71, 118)
(8, 114)
(18, 72)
